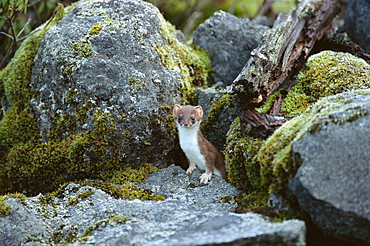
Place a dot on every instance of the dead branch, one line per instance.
(282, 53)
(284, 49)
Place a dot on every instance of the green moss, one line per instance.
(252, 201)
(227, 100)
(118, 219)
(70, 96)
(69, 70)
(266, 107)
(73, 201)
(47, 200)
(18, 125)
(225, 199)
(83, 49)
(282, 6)
(113, 219)
(126, 191)
(37, 166)
(193, 62)
(274, 156)
(136, 83)
(256, 202)
(56, 237)
(6, 210)
(132, 175)
(327, 73)
(87, 232)
(240, 158)
(17, 195)
(192, 185)
(81, 113)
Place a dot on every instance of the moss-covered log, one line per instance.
(283, 50)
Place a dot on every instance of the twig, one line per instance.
(37, 29)
(28, 22)
(6, 34)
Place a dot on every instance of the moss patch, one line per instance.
(18, 126)
(36, 166)
(73, 201)
(127, 191)
(240, 157)
(327, 73)
(193, 62)
(95, 29)
(136, 83)
(6, 210)
(83, 48)
(132, 175)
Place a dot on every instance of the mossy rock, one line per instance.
(326, 73)
(240, 156)
(221, 114)
(56, 128)
(265, 166)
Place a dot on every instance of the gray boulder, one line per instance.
(220, 117)
(206, 98)
(357, 22)
(103, 59)
(332, 183)
(192, 214)
(229, 41)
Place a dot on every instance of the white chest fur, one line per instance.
(190, 145)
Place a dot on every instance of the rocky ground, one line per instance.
(191, 214)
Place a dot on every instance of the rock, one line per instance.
(173, 183)
(229, 40)
(206, 97)
(332, 183)
(95, 95)
(219, 118)
(357, 22)
(22, 225)
(108, 58)
(190, 215)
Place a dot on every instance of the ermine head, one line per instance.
(187, 116)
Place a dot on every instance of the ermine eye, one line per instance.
(193, 118)
(180, 117)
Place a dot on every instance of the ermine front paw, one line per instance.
(190, 170)
(205, 178)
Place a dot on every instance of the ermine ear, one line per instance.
(176, 109)
(199, 111)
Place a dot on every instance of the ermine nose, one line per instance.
(186, 124)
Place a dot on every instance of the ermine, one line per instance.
(198, 150)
